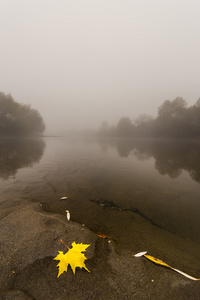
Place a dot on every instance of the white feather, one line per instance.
(68, 215)
(140, 254)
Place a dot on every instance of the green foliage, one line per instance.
(18, 119)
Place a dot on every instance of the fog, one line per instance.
(80, 63)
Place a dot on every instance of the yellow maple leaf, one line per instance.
(73, 257)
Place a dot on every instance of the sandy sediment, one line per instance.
(30, 239)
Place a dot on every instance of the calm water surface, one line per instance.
(143, 194)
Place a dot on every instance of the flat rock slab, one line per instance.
(30, 239)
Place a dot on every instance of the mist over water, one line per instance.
(84, 62)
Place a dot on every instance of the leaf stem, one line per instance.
(64, 243)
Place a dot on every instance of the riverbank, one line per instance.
(30, 239)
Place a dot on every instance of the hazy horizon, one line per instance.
(84, 62)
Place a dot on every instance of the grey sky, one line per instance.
(80, 62)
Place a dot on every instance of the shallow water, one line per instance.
(143, 194)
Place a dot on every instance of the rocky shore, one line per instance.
(30, 239)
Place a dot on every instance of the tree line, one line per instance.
(174, 120)
(18, 119)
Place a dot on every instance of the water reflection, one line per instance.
(171, 156)
(19, 153)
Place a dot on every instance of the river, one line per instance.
(142, 194)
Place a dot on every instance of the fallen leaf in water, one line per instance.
(103, 236)
(74, 257)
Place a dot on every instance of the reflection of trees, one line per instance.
(167, 166)
(19, 153)
(124, 149)
(141, 156)
(171, 156)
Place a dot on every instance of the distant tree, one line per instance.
(125, 127)
(143, 119)
(172, 108)
(197, 104)
(174, 120)
(18, 119)
(144, 125)
(171, 118)
(192, 119)
(104, 128)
